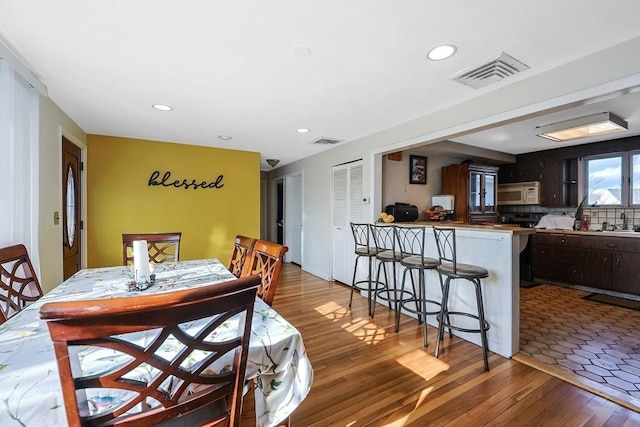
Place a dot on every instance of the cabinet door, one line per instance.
(595, 267)
(475, 192)
(624, 272)
(490, 190)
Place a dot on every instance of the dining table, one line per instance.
(30, 388)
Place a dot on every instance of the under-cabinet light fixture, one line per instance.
(582, 127)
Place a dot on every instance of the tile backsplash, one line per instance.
(597, 215)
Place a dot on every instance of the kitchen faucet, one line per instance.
(623, 217)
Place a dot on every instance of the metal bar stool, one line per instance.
(385, 238)
(449, 267)
(363, 249)
(411, 241)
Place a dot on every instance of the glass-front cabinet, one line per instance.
(475, 188)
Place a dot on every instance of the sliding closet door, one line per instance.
(347, 206)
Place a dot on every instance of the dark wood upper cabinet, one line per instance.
(557, 170)
(475, 188)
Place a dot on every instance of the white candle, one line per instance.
(140, 261)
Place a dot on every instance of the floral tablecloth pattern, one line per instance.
(30, 391)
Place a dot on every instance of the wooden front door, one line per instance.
(70, 208)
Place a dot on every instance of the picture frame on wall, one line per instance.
(417, 169)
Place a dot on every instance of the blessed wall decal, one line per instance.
(166, 181)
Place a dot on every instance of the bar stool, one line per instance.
(363, 249)
(386, 239)
(449, 267)
(411, 243)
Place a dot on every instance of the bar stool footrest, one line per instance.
(458, 328)
(379, 286)
(416, 311)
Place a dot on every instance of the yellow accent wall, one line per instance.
(120, 200)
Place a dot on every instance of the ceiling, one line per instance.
(258, 70)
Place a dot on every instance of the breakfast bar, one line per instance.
(497, 248)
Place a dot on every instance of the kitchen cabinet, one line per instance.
(609, 263)
(558, 177)
(475, 189)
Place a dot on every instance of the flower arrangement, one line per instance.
(436, 213)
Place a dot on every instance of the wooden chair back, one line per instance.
(19, 285)
(163, 247)
(242, 248)
(266, 260)
(144, 383)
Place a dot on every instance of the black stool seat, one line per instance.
(463, 271)
(452, 270)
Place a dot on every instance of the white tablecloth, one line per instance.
(30, 390)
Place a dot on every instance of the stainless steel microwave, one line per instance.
(519, 193)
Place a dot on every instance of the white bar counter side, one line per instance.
(496, 248)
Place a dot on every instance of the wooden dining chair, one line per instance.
(266, 260)
(144, 383)
(19, 284)
(163, 247)
(242, 248)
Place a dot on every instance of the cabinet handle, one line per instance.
(562, 241)
(617, 262)
(612, 245)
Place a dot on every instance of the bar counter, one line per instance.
(497, 248)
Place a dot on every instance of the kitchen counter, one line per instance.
(617, 233)
(488, 227)
(497, 248)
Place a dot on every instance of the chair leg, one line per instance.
(422, 296)
(444, 314)
(442, 290)
(483, 330)
(353, 281)
(415, 293)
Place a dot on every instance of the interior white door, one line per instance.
(293, 218)
(347, 207)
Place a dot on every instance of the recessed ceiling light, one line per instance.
(441, 52)
(300, 51)
(162, 107)
(302, 130)
(225, 137)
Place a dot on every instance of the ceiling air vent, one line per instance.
(326, 141)
(491, 72)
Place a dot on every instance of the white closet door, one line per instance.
(347, 207)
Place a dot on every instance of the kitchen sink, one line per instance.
(617, 231)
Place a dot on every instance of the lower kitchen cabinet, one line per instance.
(611, 263)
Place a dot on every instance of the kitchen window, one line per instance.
(613, 179)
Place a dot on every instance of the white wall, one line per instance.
(396, 187)
(53, 124)
(613, 69)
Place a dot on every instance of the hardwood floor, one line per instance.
(368, 375)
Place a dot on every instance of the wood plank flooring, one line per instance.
(368, 375)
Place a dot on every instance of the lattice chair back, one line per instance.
(242, 248)
(266, 260)
(171, 358)
(19, 284)
(163, 247)
(446, 244)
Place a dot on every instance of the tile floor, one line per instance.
(598, 341)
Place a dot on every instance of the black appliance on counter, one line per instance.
(402, 212)
(524, 220)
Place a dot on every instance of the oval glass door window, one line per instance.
(71, 206)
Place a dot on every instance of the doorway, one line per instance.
(71, 206)
(293, 231)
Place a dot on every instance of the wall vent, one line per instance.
(327, 141)
(490, 72)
